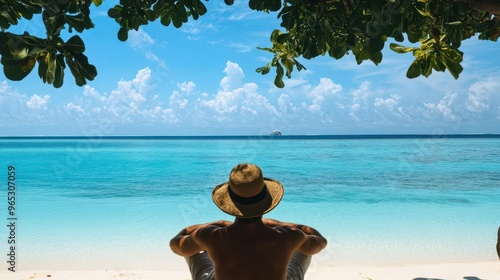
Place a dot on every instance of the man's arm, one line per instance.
(189, 241)
(312, 241)
(498, 243)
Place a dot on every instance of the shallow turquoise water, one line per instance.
(115, 203)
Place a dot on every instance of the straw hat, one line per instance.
(247, 194)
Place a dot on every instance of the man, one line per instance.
(498, 243)
(251, 247)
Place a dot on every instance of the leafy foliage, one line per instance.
(310, 28)
(20, 53)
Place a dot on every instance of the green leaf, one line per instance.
(254, 4)
(115, 12)
(165, 20)
(399, 37)
(75, 45)
(278, 80)
(18, 50)
(437, 64)
(337, 52)
(97, 3)
(453, 54)
(401, 49)
(17, 69)
(59, 74)
(377, 44)
(274, 35)
(264, 69)
(311, 21)
(352, 39)
(50, 74)
(123, 34)
(327, 28)
(76, 22)
(200, 8)
(298, 65)
(425, 66)
(281, 39)
(376, 57)
(423, 13)
(288, 66)
(454, 67)
(266, 49)
(75, 71)
(88, 70)
(414, 70)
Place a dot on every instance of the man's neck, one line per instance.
(255, 220)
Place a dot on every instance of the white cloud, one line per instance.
(325, 87)
(479, 95)
(37, 102)
(316, 106)
(177, 101)
(223, 103)
(486, 86)
(162, 114)
(129, 94)
(187, 87)
(477, 103)
(285, 104)
(142, 79)
(239, 15)
(234, 76)
(93, 94)
(190, 30)
(445, 107)
(139, 39)
(242, 48)
(388, 103)
(4, 87)
(354, 109)
(76, 108)
(320, 106)
(362, 93)
(153, 57)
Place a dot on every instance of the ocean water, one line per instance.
(114, 203)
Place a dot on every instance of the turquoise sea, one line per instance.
(114, 203)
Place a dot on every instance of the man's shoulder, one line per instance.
(290, 231)
(206, 232)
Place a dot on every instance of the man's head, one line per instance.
(248, 193)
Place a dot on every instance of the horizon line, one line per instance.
(264, 136)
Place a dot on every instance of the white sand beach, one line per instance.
(444, 271)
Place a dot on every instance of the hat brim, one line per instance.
(221, 198)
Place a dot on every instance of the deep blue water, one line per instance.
(115, 202)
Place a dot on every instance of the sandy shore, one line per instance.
(451, 271)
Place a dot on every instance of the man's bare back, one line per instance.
(249, 248)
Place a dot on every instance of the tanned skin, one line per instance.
(250, 248)
(498, 243)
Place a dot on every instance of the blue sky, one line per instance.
(201, 80)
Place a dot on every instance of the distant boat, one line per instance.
(275, 133)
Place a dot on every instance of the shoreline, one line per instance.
(442, 271)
